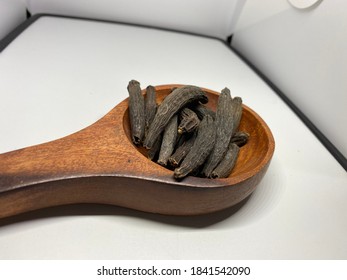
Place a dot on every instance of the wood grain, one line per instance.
(99, 164)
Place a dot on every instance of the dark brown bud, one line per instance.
(202, 147)
(189, 121)
(136, 112)
(174, 102)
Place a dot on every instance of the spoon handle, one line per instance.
(25, 172)
(53, 173)
(49, 161)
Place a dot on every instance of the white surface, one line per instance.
(303, 4)
(303, 52)
(12, 13)
(216, 18)
(255, 11)
(61, 75)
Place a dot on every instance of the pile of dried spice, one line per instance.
(184, 135)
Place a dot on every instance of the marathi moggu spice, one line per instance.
(154, 151)
(237, 113)
(240, 138)
(200, 150)
(169, 107)
(168, 142)
(224, 129)
(183, 134)
(136, 112)
(201, 111)
(227, 163)
(189, 121)
(150, 106)
(183, 149)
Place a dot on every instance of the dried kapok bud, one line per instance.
(240, 138)
(174, 102)
(224, 129)
(136, 112)
(201, 111)
(202, 147)
(182, 150)
(184, 134)
(227, 164)
(150, 106)
(237, 113)
(168, 142)
(154, 151)
(189, 121)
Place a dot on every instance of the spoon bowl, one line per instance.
(100, 164)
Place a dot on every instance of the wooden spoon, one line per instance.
(99, 164)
